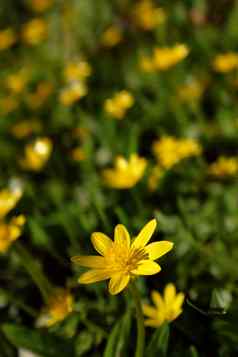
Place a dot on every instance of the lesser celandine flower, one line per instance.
(224, 167)
(40, 5)
(147, 16)
(16, 82)
(7, 38)
(8, 200)
(37, 154)
(166, 308)
(60, 305)
(73, 92)
(169, 150)
(10, 231)
(35, 31)
(118, 105)
(77, 70)
(226, 62)
(126, 173)
(111, 36)
(167, 57)
(122, 259)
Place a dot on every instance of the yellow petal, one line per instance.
(178, 302)
(101, 242)
(94, 275)
(89, 261)
(118, 282)
(157, 249)
(121, 236)
(145, 234)
(176, 314)
(153, 322)
(169, 294)
(149, 310)
(157, 299)
(147, 267)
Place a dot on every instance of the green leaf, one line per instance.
(39, 342)
(39, 237)
(158, 344)
(112, 340)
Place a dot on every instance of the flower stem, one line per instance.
(140, 343)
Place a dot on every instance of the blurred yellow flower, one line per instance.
(147, 16)
(125, 174)
(8, 104)
(8, 200)
(226, 62)
(147, 64)
(118, 105)
(60, 305)
(43, 90)
(37, 154)
(166, 308)
(192, 90)
(25, 128)
(111, 36)
(40, 5)
(16, 82)
(169, 150)
(78, 154)
(7, 38)
(167, 57)
(154, 177)
(35, 31)
(77, 70)
(10, 231)
(72, 93)
(224, 167)
(122, 259)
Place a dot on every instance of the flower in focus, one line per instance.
(60, 305)
(122, 259)
(72, 93)
(7, 38)
(16, 82)
(37, 154)
(10, 231)
(126, 173)
(8, 200)
(226, 62)
(147, 16)
(119, 104)
(25, 128)
(154, 177)
(77, 70)
(166, 308)
(169, 150)
(40, 5)
(224, 167)
(111, 36)
(34, 31)
(167, 57)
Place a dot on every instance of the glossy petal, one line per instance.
(178, 302)
(101, 242)
(169, 294)
(147, 267)
(157, 299)
(94, 275)
(153, 323)
(89, 261)
(145, 234)
(118, 282)
(121, 236)
(158, 249)
(149, 311)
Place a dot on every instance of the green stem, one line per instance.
(140, 343)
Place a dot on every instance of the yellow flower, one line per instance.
(8, 200)
(155, 175)
(43, 91)
(147, 64)
(169, 151)
(35, 31)
(167, 57)
(166, 309)
(25, 128)
(119, 104)
(193, 90)
(147, 16)
(16, 82)
(226, 62)
(71, 94)
(224, 167)
(122, 259)
(11, 231)
(125, 174)
(60, 305)
(40, 5)
(37, 154)
(112, 36)
(77, 70)
(7, 38)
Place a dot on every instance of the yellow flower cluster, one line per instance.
(75, 74)
(224, 167)
(147, 16)
(164, 58)
(37, 154)
(60, 305)
(118, 105)
(122, 259)
(166, 308)
(169, 150)
(7, 38)
(9, 231)
(35, 31)
(125, 174)
(111, 36)
(226, 62)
